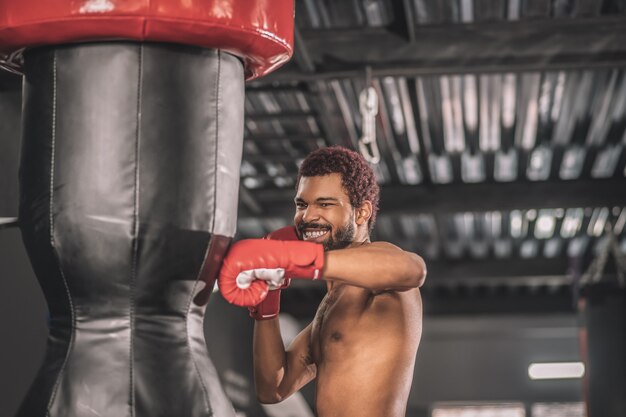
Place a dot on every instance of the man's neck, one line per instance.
(362, 235)
(360, 238)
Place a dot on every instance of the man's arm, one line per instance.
(279, 373)
(376, 266)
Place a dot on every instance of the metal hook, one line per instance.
(368, 106)
(369, 151)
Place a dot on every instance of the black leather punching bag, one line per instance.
(129, 181)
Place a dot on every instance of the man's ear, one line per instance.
(363, 213)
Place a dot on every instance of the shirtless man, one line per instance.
(362, 343)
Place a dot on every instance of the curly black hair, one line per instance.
(357, 177)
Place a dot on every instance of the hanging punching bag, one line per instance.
(128, 190)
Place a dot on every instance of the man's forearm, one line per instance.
(376, 266)
(269, 359)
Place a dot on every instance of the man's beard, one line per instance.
(343, 238)
(344, 235)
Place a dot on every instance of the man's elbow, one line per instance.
(421, 279)
(268, 398)
(415, 271)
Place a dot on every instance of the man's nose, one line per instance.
(310, 214)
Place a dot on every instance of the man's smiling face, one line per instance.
(323, 212)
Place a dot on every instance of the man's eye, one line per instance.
(325, 204)
(300, 205)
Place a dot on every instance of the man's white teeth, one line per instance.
(315, 234)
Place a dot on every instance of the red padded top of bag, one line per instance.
(258, 31)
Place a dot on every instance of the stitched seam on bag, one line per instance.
(135, 249)
(212, 231)
(189, 301)
(52, 241)
(217, 129)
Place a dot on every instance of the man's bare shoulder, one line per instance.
(376, 244)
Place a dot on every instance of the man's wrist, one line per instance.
(268, 309)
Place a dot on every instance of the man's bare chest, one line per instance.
(336, 321)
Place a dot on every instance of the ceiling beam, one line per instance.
(511, 296)
(511, 286)
(496, 46)
(302, 57)
(280, 138)
(303, 304)
(510, 272)
(281, 117)
(542, 301)
(455, 198)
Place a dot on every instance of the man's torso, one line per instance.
(364, 346)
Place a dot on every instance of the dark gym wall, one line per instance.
(605, 339)
(486, 358)
(23, 311)
(10, 122)
(23, 322)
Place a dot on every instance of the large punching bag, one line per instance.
(129, 179)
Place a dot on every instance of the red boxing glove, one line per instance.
(251, 264)
(269, 308)
(284, 233)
